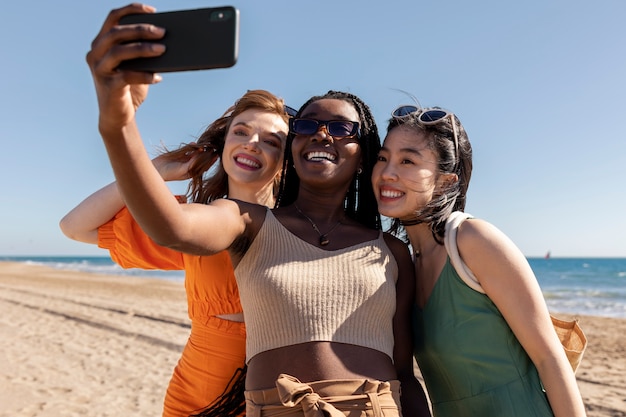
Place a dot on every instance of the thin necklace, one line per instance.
(323, 237)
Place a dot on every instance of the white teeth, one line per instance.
(391, 194)
(248, 162)
(318, 156)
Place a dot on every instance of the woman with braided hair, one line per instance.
(325, 293)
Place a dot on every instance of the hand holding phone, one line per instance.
(194, 39)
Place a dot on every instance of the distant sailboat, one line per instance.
(547, 256)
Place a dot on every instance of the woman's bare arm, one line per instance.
(414, 402)
(193, 228)
(508, 280)
(83, 221)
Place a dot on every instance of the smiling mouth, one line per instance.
(391, 193)
(320, 156)
(247, 162)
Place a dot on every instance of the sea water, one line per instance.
(93, 264)
(592, 286)
(586, 286)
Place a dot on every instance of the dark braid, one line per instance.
(360, 202)
(231, 403)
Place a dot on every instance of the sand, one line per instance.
(78, 344)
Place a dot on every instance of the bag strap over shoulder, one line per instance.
(449, 240)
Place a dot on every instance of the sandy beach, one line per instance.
(78, 344)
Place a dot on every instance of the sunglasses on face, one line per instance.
(428, 116)
(338, 129)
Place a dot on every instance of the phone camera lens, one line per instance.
(220, 15)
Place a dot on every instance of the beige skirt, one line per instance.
(334, 398)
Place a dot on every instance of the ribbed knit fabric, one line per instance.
(294, 292)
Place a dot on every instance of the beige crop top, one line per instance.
(294, 292)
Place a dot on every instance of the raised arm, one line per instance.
(508, 280)
(192, 228)
(83, 221)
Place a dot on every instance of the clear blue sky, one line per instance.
(539, 86)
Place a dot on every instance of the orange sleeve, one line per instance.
(130, 247)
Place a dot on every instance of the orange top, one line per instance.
(216, 347)
(209, 280)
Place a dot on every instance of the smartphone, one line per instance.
(194, 39)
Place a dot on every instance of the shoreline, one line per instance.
(585, 286)
(78, 343)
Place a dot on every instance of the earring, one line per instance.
(359, 171)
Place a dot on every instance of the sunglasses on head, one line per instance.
(291, 112)
(338, 129)
(428, 116)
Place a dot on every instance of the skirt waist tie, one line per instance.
(328, 398)
(293, 392)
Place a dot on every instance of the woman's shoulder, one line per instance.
(398, 247)
(480, 243)
(253, 216)
(392, 239)
(244, 206)
(476, 232)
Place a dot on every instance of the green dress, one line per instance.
(472, 363)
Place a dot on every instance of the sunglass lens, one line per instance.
(432, 115)
(341, 128)
(304, 126)
(404, 111)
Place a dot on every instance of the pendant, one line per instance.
(324, 240)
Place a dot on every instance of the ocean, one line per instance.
(586, 286)
(94, 264)
(591, 286)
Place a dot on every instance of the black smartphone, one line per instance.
(194, 39)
